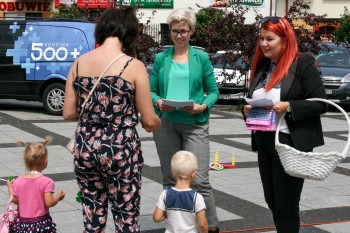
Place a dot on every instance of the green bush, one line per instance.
(342, 34)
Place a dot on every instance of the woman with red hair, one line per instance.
(279, 72)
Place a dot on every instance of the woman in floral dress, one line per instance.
(107, 156)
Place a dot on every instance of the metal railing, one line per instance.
(159, 32)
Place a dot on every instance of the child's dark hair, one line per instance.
(121, 23)
(35, 153)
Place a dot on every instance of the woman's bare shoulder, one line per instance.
(136, 62)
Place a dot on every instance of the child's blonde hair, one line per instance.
(35, 153)
(183, 164)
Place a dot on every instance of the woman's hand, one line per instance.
(246, 110)
(195, 109)
(164, 108)
(280, 106)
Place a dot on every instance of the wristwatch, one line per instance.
(288, 108)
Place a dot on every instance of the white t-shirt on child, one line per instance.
(181, 207)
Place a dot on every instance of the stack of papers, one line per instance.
(178, 104)
(261, 119)
(259, 102)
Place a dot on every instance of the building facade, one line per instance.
(20, 8)
(158, 10)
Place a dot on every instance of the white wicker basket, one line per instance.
(310, 165)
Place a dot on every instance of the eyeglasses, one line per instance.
(273, 19)
(183, 33)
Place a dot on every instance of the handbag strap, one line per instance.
(96, 83)
(9, 207)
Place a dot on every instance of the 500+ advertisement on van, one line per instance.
(43, 48)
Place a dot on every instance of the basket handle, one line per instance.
(346, 148)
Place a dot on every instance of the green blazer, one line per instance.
(203, 87)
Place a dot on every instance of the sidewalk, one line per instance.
(238, 192)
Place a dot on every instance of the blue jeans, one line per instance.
(173, 137)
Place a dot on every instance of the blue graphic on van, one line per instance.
(47, 49)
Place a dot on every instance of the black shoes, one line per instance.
(214, 231)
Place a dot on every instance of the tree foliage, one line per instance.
(144, 43)
(222, 29)
(299, 12)
(67, 12)
(342, 34)
(74, 12)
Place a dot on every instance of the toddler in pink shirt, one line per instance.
(33, 192)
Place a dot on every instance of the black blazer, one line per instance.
(303, 81)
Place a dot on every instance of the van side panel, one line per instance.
(12, 76)
(51, 48)
(34, 54)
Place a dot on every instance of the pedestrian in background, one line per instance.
(108, 158)
(33, 192)
(182, 207)
(281, 73)
(183, 73)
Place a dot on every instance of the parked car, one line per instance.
(343, 92)
(335, 68)
(35, 57)
(231, 78)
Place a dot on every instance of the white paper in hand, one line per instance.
(259, 102)
(178, 104)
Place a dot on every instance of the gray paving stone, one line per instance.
(327, 201)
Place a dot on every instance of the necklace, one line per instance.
(35, 172)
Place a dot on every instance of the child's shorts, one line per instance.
(42, 224)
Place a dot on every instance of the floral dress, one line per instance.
(108, 158)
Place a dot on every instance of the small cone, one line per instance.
(216, 159)
(233, 163)
(233, 159)
(216, 165)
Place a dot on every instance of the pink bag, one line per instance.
(8, 218)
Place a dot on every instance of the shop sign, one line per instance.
(67, 2)
(148, 3)
(24, 6)
(89, 4)
(229, 3)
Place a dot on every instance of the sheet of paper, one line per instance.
(178, 104)
(259, 102)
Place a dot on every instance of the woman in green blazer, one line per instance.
(185, 73)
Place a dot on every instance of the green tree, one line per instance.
(223, 29)
(342, 34)
(206, 17)
(68, 12)
(299, 10)
(74, 12)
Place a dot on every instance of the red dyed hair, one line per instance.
(283, 29)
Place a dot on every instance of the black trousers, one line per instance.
(282, 191)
